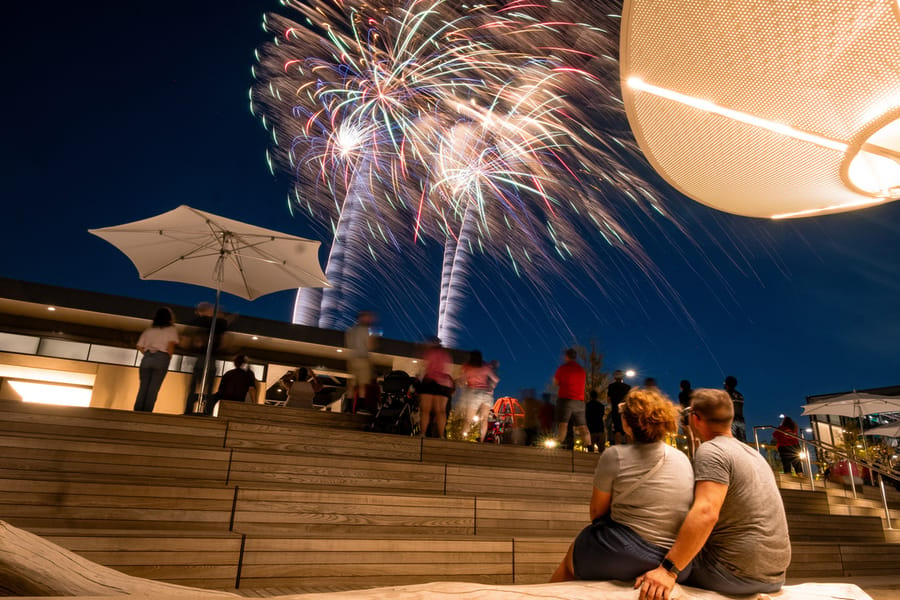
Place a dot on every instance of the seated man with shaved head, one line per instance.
(736, 531)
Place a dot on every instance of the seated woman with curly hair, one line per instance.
(642, 492)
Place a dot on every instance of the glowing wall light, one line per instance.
(51, 393)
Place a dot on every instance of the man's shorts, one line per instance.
(710, 575)
(570, 409)
(361, 371)
(472, 399)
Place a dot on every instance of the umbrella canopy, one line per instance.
(854, 404)
(889, 430)
(187, 245)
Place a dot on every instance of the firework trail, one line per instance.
(406, 122)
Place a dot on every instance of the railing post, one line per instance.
(887, 510)
(850, 464)
(806, 451)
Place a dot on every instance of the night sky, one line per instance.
(115, 112)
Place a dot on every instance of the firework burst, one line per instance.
(474, 127)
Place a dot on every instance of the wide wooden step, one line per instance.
(40, 504)
(68, 459)
(202, 559)
(282, 415)
(20, 418)
(313, 439)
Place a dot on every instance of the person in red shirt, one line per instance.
(570, 377)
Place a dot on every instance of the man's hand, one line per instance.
(656, 584)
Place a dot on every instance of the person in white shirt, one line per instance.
(157, 344)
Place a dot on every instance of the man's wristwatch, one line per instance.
(669, 566)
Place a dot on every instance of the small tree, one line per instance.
(592, 360)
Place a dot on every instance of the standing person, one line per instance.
(684, 399)
(436, 388)
(157, 344)
(594, 412)
(684, 394)
(237, 385)
(642, 492)
(477, 381)
(571, 377)
(197, 339)
(738, 426)
(615, 393)
(360, 342)
(788, 445)
(736, 528)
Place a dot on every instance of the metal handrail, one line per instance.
(852, 459)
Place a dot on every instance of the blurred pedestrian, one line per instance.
(594, 414)
(436, 388)
(237, 384)
(787, 442)
(476, 400)
(615, 394)
(738, 426)
(571, 377)
(360, 342)
(197, 338)
(157, 345)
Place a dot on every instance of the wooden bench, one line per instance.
(198, 559)
(519, 483)
(66, 459)
(284, 415)
(21, 418)
(360, 562)
(250, 468)
(304, 512)
(36, 504)
(321, 440)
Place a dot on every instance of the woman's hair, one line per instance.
(302, 374)
(475, 358)
(163, 317)
(789, 423)
(649, 414)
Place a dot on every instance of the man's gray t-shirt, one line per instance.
(656, 508)
(750, 539)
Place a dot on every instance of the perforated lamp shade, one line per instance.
(767, 108)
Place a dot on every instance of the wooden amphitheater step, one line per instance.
(41, 504)
(282, 415)
(333, 513)
(863, 492)
(69, 459)
(362, 562)
(21, 418)
(822, 560)
(314, 439)
(202, 559)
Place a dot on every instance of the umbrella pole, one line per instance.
(220, 267)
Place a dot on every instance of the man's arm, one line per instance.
(698, 524)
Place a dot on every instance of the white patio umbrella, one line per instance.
(187, 245)
(889, 430)
(854, 404)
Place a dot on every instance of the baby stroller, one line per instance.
(396, 405)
